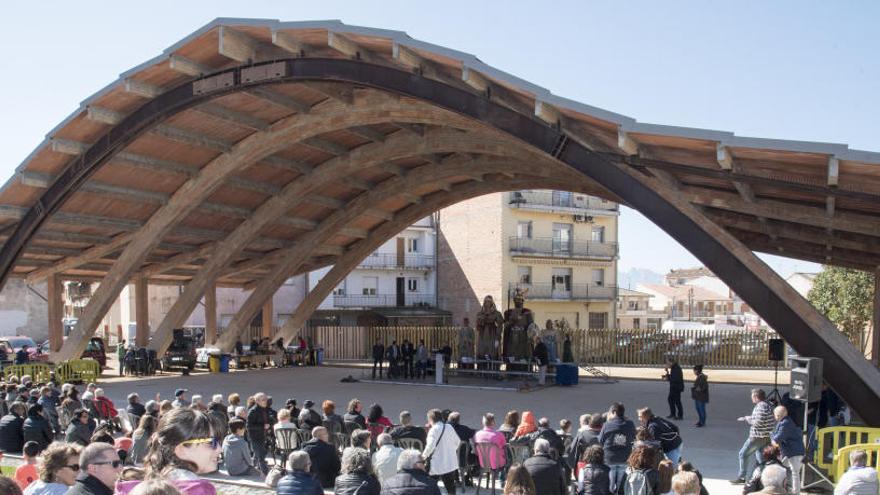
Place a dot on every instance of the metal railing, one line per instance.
(393, 260)
(558, 200)
(549, 246)
(409, 299)
(574, 292)
(609, 347)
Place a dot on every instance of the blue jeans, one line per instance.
(752, 446)
(701, 411)
(615, 476)
(674, 455)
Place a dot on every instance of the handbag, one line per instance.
(428, 459)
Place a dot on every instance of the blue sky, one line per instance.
(783, 69)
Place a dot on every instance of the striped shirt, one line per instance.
(762, 421)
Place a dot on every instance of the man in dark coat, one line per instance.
(588, 435)
(676, 386)
(408, 351)
(407, 430)
(258, 425)
(325, 462)
(617, 437)
(11, 428)
(299, 481)
(393, 355)
(378, 357)
(99, 468)
(546, 472)
(36, 428)
(353, 414)
(411, 478)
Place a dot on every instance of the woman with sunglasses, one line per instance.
(183, 447)
(59, 465)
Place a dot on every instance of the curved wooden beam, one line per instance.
(245, 153)
(344, 264)
(298, 254)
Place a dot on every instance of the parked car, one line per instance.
(181, 353)
(14, 344)
(95, 349)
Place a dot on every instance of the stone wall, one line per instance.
(23, 310)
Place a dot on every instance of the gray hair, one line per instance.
(408, 459)
(542, 446)
(356, 460)
(359, 438)
(92, 453)
(99, 392)
(196, 399)
(585, 419)
(384, 439)
(858, 458)
(773, 476)
(405, 418)
(218, 398)
(299, 461)
(544, 423)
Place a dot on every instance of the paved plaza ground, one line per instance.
(713, 449)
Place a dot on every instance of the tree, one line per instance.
(845, 297)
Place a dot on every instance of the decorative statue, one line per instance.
(548, 336)
(519, 324)
(489, 322)
(465, 341)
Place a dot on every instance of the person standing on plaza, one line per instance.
(441, 450)
(617, 437)
(675, 377)
(664, 432)
(790, 440)
(378, 357)
(422, 359)
(761, 424)
(541, 358)
(700, 394)
(408, 351)
(258, 425)
(393, 355)
(120, 356)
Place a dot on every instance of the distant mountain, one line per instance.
(635, 276)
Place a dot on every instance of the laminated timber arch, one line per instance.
(176, 169)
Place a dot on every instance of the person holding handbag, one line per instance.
(441, 450)
(700, 394)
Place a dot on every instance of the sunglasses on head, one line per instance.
(215, 442)
(115, 463)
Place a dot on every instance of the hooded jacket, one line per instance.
(237, 455)
(617, 437)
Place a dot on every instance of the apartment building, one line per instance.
(394, 285)
(634, 311)
(560, 246)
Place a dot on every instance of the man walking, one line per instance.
(761, 424)
(378, 357)
(675, 377)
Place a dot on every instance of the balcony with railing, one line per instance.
(408, 299)
(394, 261)
(562, 201)
(556, 248)
(572, 292)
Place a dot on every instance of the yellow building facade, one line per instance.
(561, 247)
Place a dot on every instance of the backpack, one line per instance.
(636, 483)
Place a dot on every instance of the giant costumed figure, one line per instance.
(489, 324)
(519, 330)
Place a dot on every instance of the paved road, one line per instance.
(713, 449)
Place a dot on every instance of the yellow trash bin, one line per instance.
(214, 363)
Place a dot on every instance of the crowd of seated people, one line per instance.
(81, 443)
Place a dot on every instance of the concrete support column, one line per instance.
(211, 314)
(875, 322)
(142, 311)
(268, 312)
(56, 312)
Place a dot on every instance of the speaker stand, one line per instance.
(808, 461)
(774, 395)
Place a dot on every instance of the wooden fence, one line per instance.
(721, 348)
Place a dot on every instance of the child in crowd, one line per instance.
(27, 472)
(236, 451)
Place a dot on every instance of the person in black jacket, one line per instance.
(585, 437)
(408, 351)
(392, 352)
(676, 386)
(99, 469)
(36, 428)
(617, 437)
(378, 357)
(663, 431)
(11, 428)
(546, 472)
(325, 462)
(407, 430)
(411, 478)
(357, 476)
(353, 414)
(541, 357)
(593, 478)
(258, 425)
(299, 481)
